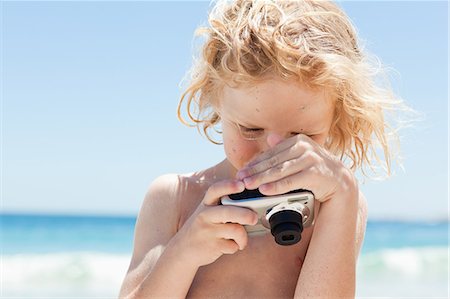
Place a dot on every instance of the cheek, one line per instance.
(239, 152)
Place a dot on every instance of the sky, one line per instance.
(89, 92)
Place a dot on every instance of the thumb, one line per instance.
(222, 188)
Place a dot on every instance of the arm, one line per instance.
(163, 274)
(154, 264)
(162, 253)
(299, 162)
(330, 263)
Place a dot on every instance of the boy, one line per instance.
(294, 96)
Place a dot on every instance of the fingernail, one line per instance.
(264, 187)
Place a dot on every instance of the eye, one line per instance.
(245, 129)
(250, 133)
(309, 135)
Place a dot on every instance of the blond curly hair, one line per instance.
(310, 41)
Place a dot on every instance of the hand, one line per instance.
(214, 230)
(297, 163)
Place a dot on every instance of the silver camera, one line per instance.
(285, 215)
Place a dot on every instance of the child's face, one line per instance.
(256, 118)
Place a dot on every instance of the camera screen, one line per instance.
(255, 193)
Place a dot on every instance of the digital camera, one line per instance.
(285, 215)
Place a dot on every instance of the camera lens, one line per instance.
(286, 227)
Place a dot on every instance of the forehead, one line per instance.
(277, 103)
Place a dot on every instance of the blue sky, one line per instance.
(90, 90)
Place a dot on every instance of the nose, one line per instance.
(273, 138)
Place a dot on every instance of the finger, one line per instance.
(235, 232)
(272, 160)
(222, 188)
(287, 143)
(277, 172)
(302, 180)
(295, 150)
(227, 214)
(228, 246)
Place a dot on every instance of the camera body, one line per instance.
(284, 215)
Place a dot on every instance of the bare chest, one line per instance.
(263, 270)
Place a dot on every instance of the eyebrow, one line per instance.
(246, 124)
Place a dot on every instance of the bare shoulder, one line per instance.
(158, 216)
(362, 204)
(163, 209)
(160, 197)
(361, 221)
(160, 193)
(169, 201)
(155, 226)
(362, 208)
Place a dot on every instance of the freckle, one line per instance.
(257, 110)
(256, 93)
(234, 150)
(302, 107)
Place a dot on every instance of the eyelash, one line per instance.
(249, 129)
(255, 130)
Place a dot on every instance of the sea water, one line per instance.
(50, 256)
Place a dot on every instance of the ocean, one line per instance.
(56, 256)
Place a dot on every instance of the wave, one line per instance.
(385, 272)
(75, 274)
(419, 272)
(409, 261)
